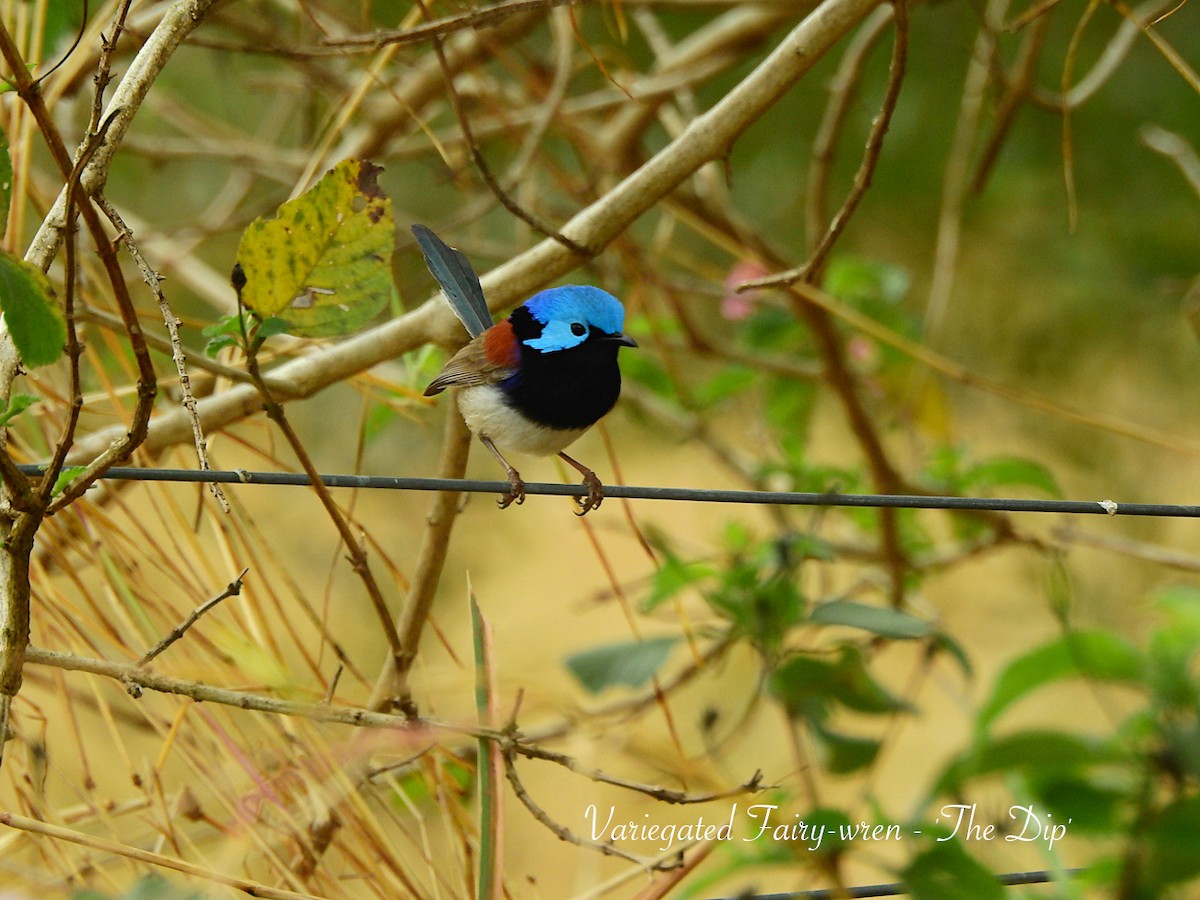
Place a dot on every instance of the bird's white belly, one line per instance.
(487, 415)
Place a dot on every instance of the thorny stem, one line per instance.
(153, 281)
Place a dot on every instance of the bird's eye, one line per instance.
(578, 329)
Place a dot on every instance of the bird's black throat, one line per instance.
(565, 389)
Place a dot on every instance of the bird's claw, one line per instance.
(515, 492)
(595, 495)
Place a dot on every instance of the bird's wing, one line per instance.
(470, 366)
(459, 282)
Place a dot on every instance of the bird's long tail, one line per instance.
(459, 282)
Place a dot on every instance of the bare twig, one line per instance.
(656, 792)
(481, 164)
(391, 687)
(154, 281)
(811, 269)
(957, 170)
(436, 29)
(105, 846)
(842, 90)
(565, 834)
(104, 66)
(1068, 149)
(233, 589)
(1177, 149)
(1017, 90)
(355, 551)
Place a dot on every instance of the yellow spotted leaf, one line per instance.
(322, 263)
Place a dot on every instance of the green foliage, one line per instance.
(949, 470)
(16, 405)
(65, 477)
(1139, 784)
(232, 331)
(628, 663)
(891, 623)
(810, 687)
(322, 264)
(1098, 655)
(945, 871)
(34, 319)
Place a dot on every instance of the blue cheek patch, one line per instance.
(556, 335)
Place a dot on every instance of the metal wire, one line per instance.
(695, 495)
(898, 889)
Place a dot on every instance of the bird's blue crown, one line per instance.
(562, 310)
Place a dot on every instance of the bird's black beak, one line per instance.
(621, 338)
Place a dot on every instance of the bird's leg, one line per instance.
(516, 487)
(595, 494)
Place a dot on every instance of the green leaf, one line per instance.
(858, 281)
(631, 663)
(6, 182)
(845, 753)
(34, 320)
(943, 643)
(1171, 843)
(1011, 471)
(885, 622)
(65, 477)
(762, 606)
(947, 872)
(807, 685)
(322, 264)
(1093, 807)
(1079, 654)
(15, 406)
(673, 576)
(1036, 752)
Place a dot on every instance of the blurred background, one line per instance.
(1010, 312)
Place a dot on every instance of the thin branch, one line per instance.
(74, 349)
(842, 90)
(391, 687)
(1017, 90)
(127, 851)
(957, 170)
(154, 281)
(1068, 151)
(233, 589)
(355, 551)
(1177, 149)
(664, 795)
(481, 164)
(436, 29)
(811, 270)
(103, 75)
(565, 834)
